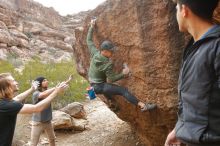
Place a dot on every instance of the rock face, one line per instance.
(147, 37)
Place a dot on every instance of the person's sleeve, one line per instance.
(12, 108)
(217, 63)
(35, 97)
(18, 107)
(112, 76)
(90, 43)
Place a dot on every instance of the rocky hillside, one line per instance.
(147, 37)
(28, 29)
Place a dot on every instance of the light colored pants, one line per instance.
(38, 128)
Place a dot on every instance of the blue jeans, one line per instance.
(108, 90)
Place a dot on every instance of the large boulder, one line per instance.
(62, 120)
(75, 110)
(147, 37)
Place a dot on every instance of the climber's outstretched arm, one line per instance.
(89, 40)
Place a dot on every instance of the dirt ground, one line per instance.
(103, 129)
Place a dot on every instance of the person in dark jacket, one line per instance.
(199, 79)
(101, 70)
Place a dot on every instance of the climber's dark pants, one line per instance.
(111, 89)
(214, 144)
(204, 145)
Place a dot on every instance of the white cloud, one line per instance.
(65, 7)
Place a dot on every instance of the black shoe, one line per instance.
(148, 107)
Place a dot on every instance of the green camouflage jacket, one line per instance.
(101, 68)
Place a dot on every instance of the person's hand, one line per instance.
(61, 87)
(172, 140)
(69, 79)
(126, 70)
(35, 85)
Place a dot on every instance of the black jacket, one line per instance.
(199, 91)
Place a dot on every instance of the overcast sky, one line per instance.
(65, 7)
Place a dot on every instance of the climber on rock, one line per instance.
(101, 70)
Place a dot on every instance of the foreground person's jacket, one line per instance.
(199, 91)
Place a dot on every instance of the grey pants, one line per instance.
(38, 128)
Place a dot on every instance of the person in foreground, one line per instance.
(101, 70)
(199, 79)
(42, 121)
(10, 106)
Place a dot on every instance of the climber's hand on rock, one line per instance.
(126, 71)
(92, 23)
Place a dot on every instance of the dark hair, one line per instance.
(40, 80)
(202, 8)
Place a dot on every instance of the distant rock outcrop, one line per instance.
(29, 29)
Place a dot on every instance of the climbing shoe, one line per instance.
(148, 107)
